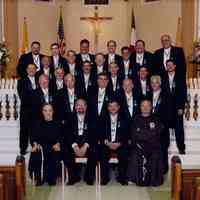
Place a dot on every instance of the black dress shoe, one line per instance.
(123, 182)
(89, 182)
(52, 183)
(105, 181)
(182, 152)
(73, 181)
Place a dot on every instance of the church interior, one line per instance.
(150, 26)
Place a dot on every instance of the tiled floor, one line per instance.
(113, 191)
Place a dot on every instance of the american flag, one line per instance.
(61, 34)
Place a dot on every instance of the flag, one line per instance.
(25, 43)
(133, 32)
(179, 38)
(61, 34)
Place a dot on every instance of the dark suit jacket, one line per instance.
(71, 131)
(62, 64)
(138, 89)
(24, 61)
(25, 92)
(77, 69)
(62, 105)
(118, 59)
(121, 132)
(176, 54)
(115, 93)
(147, 61)
(37, 102)
(132, 72)
(177, 96)
(41, 71)
(80, 80)
(79, 60)
(124, 107)
(97, 119)
(53, 87)
(162, 108)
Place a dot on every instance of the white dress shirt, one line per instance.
(156, 96)
(59, 84)
(46, 71)
(46, 94)
(114, 82)
(111, 58)
(32, 79)
(113, 121)
(71, 98)
(126, 67)
(85, 57)
(139, 58)
(36, 60)
(72, 68)
(56, 61)
(80, 123)
(86, 79)
(166, 56)
(144, 86)
(99, 69)
(129, 100)
(171, 79)
(101, 95)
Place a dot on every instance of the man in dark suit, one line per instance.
(111, 56)
(57, 83)
(169, 52)
(100, 63)
(86, 80)
(57, 61)
(72, 66)
(129, 101)
(127, 68)
(115, 81)
(46, 68)
(142, 57)
(115, 141)
(78, 142)
(33, 57)
(98, 104)
(64, 100)
(176, 90)
(142, 83)
(84, 54)
(41, 96)
(161, 108)
(25, 88)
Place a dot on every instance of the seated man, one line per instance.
(145, 167)
(115, 141)
(45, 153)
(78, 142)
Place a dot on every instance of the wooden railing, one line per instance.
(12, 181)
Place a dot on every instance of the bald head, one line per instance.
(166, 41)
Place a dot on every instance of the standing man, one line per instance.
(176, 90)
(84, 54)
(111, 56)
(141, 57)
(168, 51)
(57, 61)
(25, 88)
(33, 57)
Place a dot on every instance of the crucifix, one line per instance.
(96, 20)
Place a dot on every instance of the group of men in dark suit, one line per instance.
(96, 97)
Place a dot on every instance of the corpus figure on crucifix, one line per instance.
(96, 20)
